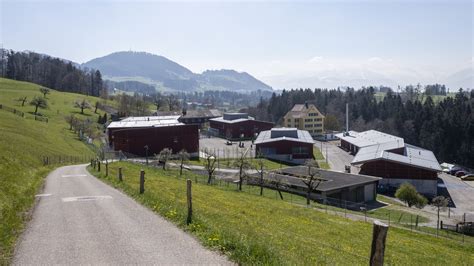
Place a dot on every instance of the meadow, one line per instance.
(24, 143)
(251, 229)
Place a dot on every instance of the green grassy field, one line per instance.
(23, 143)
(229, 163)
(259, 230)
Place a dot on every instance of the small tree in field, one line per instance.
(408, 194)
(44, 91)
(242, 163)
(260, 168)
(39, 102)
(313, 180)
(22, 100)
(183, 158)
(210, 165)
(70, 119)
(164, 156)
(82, 105)
(439, 203)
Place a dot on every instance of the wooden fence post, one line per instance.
(190, 201)
(379, 235)
(142, 181)
(98, 165)
(106, 169)
(120, 174)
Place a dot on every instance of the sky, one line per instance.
(285, 44)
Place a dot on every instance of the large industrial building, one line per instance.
(237, 126)
(142, 135)
(305, 117)
(387, 156)
(285, 144)
(193, 117)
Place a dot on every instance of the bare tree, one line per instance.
(313, 180)
(210, 165)
(82, 105)
(70, 119)
(44, 91)
(22, 100)
(183, 158)
(278, 182)
(241, 163)
(39, 102)
(439, 203)
(164, 156)
(96, 106)
(260, 168)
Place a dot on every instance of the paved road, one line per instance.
(337, 157)
(84, 221)
(461, 193)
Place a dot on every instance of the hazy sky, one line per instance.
(279, 42)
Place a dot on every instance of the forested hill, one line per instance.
(54, 73)
(166, 74)
(446, 126)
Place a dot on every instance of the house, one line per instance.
(383, 155)
(336, 188)
(237, 126)
(132, 134)
(285, 144)
(305, 117)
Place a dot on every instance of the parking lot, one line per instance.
(461, 194)
(220, 147)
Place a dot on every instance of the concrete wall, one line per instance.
(426, 187)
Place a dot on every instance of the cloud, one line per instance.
(316, 59)
(375, 59)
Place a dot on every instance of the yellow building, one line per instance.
(305, 117)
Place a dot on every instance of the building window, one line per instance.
(313, 114)
(318, 119)
(308, 125)
(268, 151)
(308, 120)
(299, 150)
(289, 120)
(318, 125)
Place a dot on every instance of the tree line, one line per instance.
(51, 72)
(445, 126)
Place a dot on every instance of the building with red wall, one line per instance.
(235, 126)
(157, 133)
(383, 155)
(285, 144)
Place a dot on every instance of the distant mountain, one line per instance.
(168, 75)
(461, 79)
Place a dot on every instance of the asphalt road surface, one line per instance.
(337, 157)
(461, 193)
(80, 220)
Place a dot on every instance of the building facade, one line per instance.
(236, 126)
(387, 156)
(305, 117)
(133, 134)
(285, 144)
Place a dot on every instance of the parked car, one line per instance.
(468, 177)
(460, 173)
(454, 169)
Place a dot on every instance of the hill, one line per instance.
(24, 143)
(165, 74)
(264, 230)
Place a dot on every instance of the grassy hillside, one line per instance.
(23, 143)
(257, 230)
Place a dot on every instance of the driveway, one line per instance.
(461, 193)
(80, 220)
(337, 157)
(222, 150)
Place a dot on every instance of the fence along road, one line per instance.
(80, 220)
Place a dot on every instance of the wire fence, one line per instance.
(22, 114)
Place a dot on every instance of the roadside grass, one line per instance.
(229, 163)
(260, 230)
(23, 143)
(318, 155)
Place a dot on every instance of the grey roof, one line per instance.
(192, 113)
(369, 138)
(284, 133)
(145, 121)
(222, 120)
(332, 180)
(413, 156)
